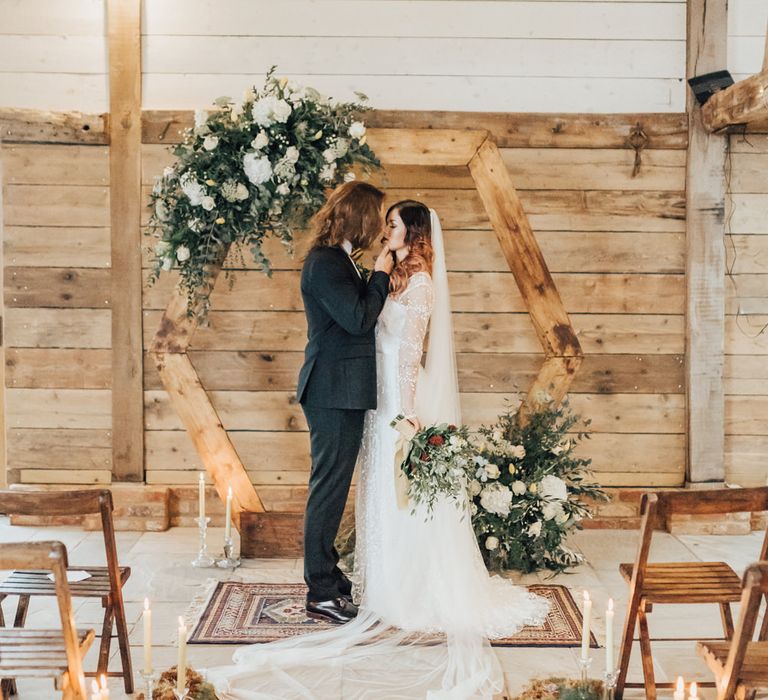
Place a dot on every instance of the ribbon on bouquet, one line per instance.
(402, 447)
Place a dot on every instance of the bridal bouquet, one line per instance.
(435, 462)
(531, 489)
(248, 171)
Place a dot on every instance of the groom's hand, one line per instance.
(385, 262)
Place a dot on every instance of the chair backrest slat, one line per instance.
(709, 502)
(80, 502)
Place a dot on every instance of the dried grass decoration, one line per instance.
(198, 688)
(561, 689)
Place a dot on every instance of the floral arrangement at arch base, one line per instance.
(530, 490)
(249, 171)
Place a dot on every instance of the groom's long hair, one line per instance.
(352, 212)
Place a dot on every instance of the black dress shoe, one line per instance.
(335, 610)
(345, 587)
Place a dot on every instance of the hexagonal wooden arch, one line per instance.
(476, 150)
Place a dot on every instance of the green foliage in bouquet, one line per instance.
(245, 172)
(530, 490)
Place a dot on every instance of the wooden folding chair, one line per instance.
(741, 666)
(105, 582)
(679, 583)
(38, 653)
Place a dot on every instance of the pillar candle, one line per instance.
(181, 666)
(95, 692)
(609, 636)
(201, 496)
(679, 693)
(104, 694)
(694, 694)
(147, 637)
(587, 615)
(228, 515)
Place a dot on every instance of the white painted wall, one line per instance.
(505, 55)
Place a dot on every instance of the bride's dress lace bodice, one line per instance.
(412, 569)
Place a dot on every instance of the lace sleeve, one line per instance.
(417, 299)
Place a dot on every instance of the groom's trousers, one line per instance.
(335, 436)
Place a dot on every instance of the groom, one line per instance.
(337, 382)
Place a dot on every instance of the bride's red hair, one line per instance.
(418, 238)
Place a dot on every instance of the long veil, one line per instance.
(367, 659)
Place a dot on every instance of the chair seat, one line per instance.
(33, 653)
(33, 583)
(689, 582)
(754, 672)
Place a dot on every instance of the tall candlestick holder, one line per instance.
(229, 561)
(148, 677)
(181, 694)
(609, 684)
(204, 560)
(584, 664)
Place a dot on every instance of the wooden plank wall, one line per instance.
(482, 55)
(57, 310)
(614, 242)
(746, 344)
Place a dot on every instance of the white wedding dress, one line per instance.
(427, 603)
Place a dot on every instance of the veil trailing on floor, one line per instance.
(371, 658)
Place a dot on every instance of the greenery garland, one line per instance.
(245, 172)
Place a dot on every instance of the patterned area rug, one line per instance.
(248, 613)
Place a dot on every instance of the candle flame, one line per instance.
(586, 596)
(103, 682)
(680, 684)
(181, 621)
(201, 478)
(229, 492)
(146, 603)
(693, 690)
(95, 687)
(610, 604)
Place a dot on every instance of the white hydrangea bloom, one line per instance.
(283, 189)
(552, 486)
(193, 189)
(257, 168)
(497, 499)
(328, 172)
(357, 130)
(262, 110)
(552, 510)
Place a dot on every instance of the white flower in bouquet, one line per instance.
(350, 176)
(496, 499)
(257, 168)
(474, 488)
(208, 203)
(247, 96)
(552, 510)
(328, 173)
(193, 189)
(262, 110)
(168, 172)
(534, 530)
(519, 487)
(201, 117)
(182, 253)
(330, 155)
(210, 142)
(562, 518)
(195, 225)
(473, 509)
(162, 249)
(167, 264)
(297, 96)
(496, 436)
(552, 486)
(492, 543)
(285, 170)
(341, 147)
(517, 451)
(161, 211)
(492, 471)
(283, 189)
(281, 110)
(260, 141)
(357, 130)
(241, 192)
(292, 154)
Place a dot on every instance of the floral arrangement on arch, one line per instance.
(530, 489)
(245, 172)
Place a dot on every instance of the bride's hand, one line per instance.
(402, 253)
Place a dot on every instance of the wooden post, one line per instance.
(705, 255)
(124, 31)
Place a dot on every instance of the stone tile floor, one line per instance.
(161, 572)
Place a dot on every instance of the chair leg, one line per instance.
(764, 627)
(125, 648)
(9, 684)
(625, 650)
(647, 656)
(727, 619)
(106, 640)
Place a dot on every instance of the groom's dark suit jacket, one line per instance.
(339, 368)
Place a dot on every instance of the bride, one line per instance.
(427, 604)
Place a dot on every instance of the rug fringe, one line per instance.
(198, 605)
